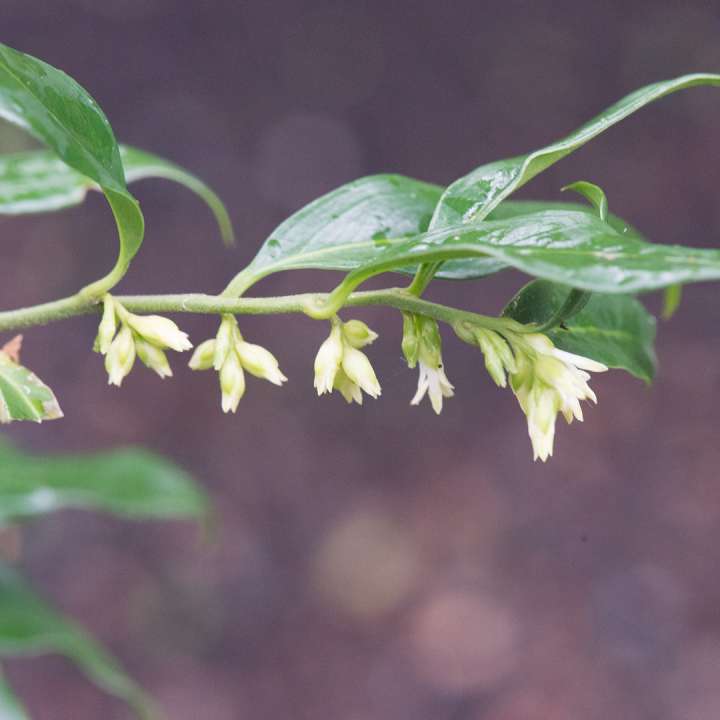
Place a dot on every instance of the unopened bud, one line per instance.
(153, 357)
(159, 331)
(107, 327)
(120, 356)
(259, 362)
(327, 361)
(358, 334)
(410, 341)
(358, 369)
(204, 356)
(232, 382)
(225, 339)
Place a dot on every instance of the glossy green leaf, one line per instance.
(510, 210)
(613, 329)
(345, 228)
(572, 248)
(33, 182)
(23, 396)
(132, 483)
(593, 193)
(10, 708)
(471, 198)
(28, 626)
(55, 109)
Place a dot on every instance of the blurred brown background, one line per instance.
(379, 563)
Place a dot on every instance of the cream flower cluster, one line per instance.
(341, 365)
(123, 336)
(231, 356)
(545, 380)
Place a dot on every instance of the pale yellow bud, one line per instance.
(225, 339)
(120, 356)
(204, 356)
(159, 331)
(107, 327)
(153, 357)
(259, 362)
(232, 382)
(358, 334)
(359, 370)
(327, 361)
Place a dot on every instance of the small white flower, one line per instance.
(232, 383)
(358, 369)
(347, 388)
(549, 381)
(120, 356)
(328, 360)
(434, 382)
(159, 331)
(422, 345)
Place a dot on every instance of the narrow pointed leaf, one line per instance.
(38, 181)
(573, 248)
(132, 482)
(613, 329)
(55, 109)
(23, 396)
(28, 626)
(471, 198)
(593, 193)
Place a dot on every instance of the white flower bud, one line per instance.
(225, 339)
(259, 362)
(204, 356)
(327, 361)
(120, 356)
(159, 331)
(107, 327)
(359, 370)
(153, 357)
(232, 382)
(358, 334)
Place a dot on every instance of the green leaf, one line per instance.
(594, 193)
(510, 210)
(471, 198)
(613, 329)
(140, 165)
(54, 108)
(39, 181)
(29, 627)
(573, 248)
(345, 228)
(23, 396)
(10, 708)
(132, 482)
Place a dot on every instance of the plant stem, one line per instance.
(216, 305)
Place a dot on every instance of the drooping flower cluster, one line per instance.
(545, 380)
(123, 336)
(230, 355)
(549, 381)
(341, 365)
(422, 346)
